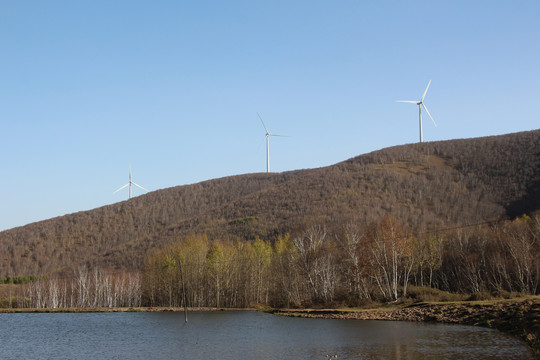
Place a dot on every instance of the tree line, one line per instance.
(350, 266)
(86, 288)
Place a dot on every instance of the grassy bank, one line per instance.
(517, 317)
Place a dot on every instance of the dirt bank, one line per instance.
(520, 318)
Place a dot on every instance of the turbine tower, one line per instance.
(420, 104)
(131, 182)
(268, 134)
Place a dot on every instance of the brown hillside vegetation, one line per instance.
(429, 186)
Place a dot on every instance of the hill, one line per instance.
(428, 185)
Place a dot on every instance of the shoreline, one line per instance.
(77, 310)
(517, 317)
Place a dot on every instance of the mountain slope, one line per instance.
(430, 185)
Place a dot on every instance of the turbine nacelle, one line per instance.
(421, 104)
(267, 136)
(130, 183)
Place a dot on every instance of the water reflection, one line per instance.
(242, 335)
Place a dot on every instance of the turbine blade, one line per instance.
(139, 186)
(423, 96)
(121, 188)
(278, 135)
(409, 101)
(425, 108)
(262, 122)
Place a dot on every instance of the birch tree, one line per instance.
(392, 257)
(315, 264)
(355, 260)
(214, 262)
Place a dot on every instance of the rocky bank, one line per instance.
(520, 318)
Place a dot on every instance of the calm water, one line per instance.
(242, 335)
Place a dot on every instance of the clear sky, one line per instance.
(175, 87)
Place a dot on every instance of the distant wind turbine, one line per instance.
(268, 134)
(131, 182)
(420, 103)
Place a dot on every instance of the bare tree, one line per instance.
(355, 260)
(83, 286)
(392, 257)
(315, 263)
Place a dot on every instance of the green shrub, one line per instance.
(503, 294)
(425, 293)
(243, 220)
(8, 303)
(478, 296)
(23, 279)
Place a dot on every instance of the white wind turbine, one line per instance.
(420, 103)
(131, 182)
(268, 134)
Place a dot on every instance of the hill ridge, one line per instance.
(428, 184)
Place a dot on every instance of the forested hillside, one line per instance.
(426, 186)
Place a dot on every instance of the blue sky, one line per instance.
(175, 87)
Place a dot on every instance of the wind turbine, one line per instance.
(420, 103)
(268, 134)
(131, 182)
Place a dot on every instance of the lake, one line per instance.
(242, 335)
